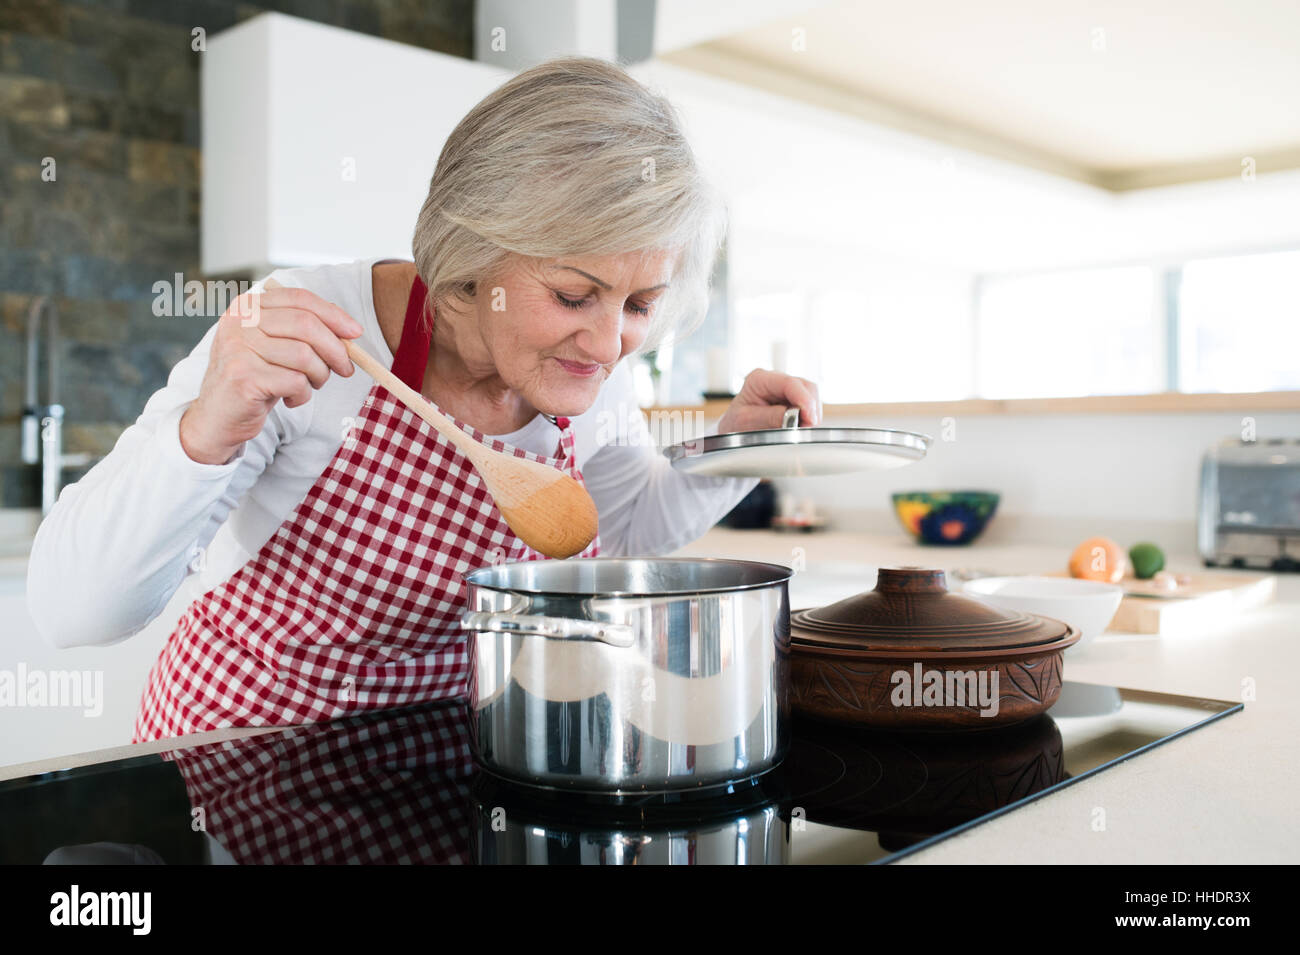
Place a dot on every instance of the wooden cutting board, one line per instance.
(1206, 600)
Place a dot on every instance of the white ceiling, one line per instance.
(1117, 94)
(824, 192)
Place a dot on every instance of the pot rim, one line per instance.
(782, 576)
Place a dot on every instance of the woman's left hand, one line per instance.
(763, 399)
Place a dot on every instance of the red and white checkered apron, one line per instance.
(355, 602)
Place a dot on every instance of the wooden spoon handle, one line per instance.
(409, 397)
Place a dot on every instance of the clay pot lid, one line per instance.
(911, 609)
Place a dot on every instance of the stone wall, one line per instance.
(109, 89)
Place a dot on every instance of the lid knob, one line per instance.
(911, 580)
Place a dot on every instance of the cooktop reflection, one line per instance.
(401, 787)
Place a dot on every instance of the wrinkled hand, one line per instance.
(763, 399)
(277, 345)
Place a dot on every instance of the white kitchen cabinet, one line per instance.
(319, 143)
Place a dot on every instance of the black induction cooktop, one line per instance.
(401, 787)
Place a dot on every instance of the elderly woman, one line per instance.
(566, 227)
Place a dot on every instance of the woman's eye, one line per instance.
(580, 302)
(570, 303)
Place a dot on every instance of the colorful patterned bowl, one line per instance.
(945, 517)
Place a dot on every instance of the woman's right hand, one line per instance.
(276, 345)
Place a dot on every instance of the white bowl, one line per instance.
(1087, 605)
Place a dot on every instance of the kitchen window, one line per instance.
(1225, 324)
(1064, 334)
(1239, 323)
(905, 332)
(895, 334)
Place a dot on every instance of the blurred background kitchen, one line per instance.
(1061, 238)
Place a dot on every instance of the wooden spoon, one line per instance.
(547, 509)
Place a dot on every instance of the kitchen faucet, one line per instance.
(45, 420)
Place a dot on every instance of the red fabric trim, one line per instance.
(417, 332)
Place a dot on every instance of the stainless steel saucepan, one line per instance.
(629, 675)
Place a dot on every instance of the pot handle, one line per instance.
(553, 628)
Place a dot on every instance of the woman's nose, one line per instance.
(603, 340)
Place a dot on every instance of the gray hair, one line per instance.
(571, 157)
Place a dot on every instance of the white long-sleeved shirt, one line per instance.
(119, 543)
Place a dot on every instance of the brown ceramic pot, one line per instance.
(910, 655)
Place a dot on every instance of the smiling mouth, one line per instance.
(578, 368)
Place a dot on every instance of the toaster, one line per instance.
(1249, 513)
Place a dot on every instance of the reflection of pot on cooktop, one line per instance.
(911, 655)
(908, 786)
(520, 826)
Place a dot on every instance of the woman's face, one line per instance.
(555, 328)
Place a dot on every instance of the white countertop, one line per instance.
(1224, 793)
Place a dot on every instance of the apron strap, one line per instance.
(417, 333)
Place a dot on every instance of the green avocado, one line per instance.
(1147, 559)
